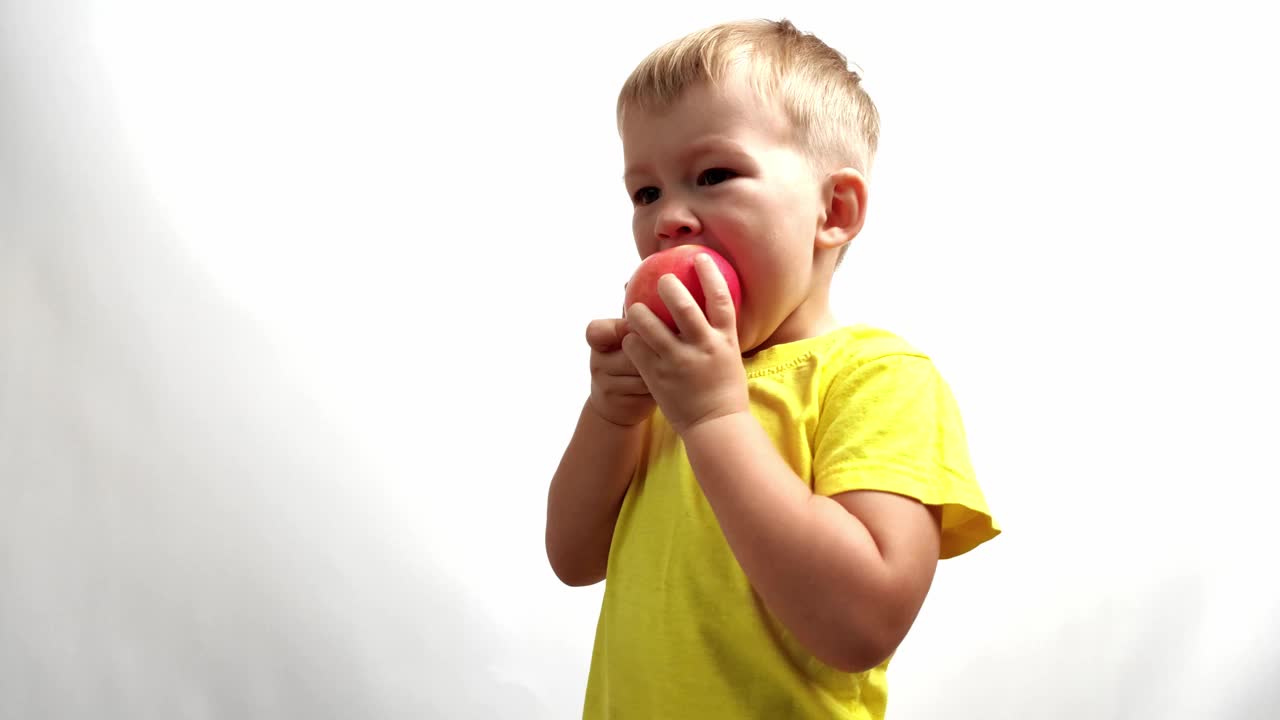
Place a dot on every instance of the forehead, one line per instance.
(731, 111)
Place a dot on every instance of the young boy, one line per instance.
(769, 492)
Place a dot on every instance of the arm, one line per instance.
(586, 495)
(847, 575)
(594, 473)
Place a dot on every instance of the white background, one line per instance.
(292, 297)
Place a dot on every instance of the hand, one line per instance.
(697, 375)
(618, 393)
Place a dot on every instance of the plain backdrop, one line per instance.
(292, 302)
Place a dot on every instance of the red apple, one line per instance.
(643, 286)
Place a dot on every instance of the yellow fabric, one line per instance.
(681, 634)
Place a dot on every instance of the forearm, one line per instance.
(586, 494)
(815, 565)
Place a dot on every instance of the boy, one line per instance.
(768, 492)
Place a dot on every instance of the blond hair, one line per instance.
(835, 122)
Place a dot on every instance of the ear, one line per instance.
(845, 196)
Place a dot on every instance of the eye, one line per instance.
(645, 195)
(715, 176)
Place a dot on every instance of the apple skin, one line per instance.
(643, 286)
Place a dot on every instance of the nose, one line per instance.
(676, 223)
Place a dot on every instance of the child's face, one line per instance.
(720, 169)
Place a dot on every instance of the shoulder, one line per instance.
(860, 352)
(857, 344)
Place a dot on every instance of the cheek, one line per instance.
(643, 240)
(763, 268)
(757, 285)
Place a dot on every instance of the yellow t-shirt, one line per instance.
(681, 633)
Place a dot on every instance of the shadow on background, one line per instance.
(182, 533)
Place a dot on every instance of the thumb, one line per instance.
(605, 335)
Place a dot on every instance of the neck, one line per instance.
(811, 319)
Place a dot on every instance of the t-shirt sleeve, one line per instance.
(892, 425)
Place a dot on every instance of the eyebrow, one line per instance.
(700, 147)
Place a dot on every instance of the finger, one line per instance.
(616, 363)
(655, 333)
(604, 335)
(628, 385)
(638, 350)
(715, 290)
(688, 317)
